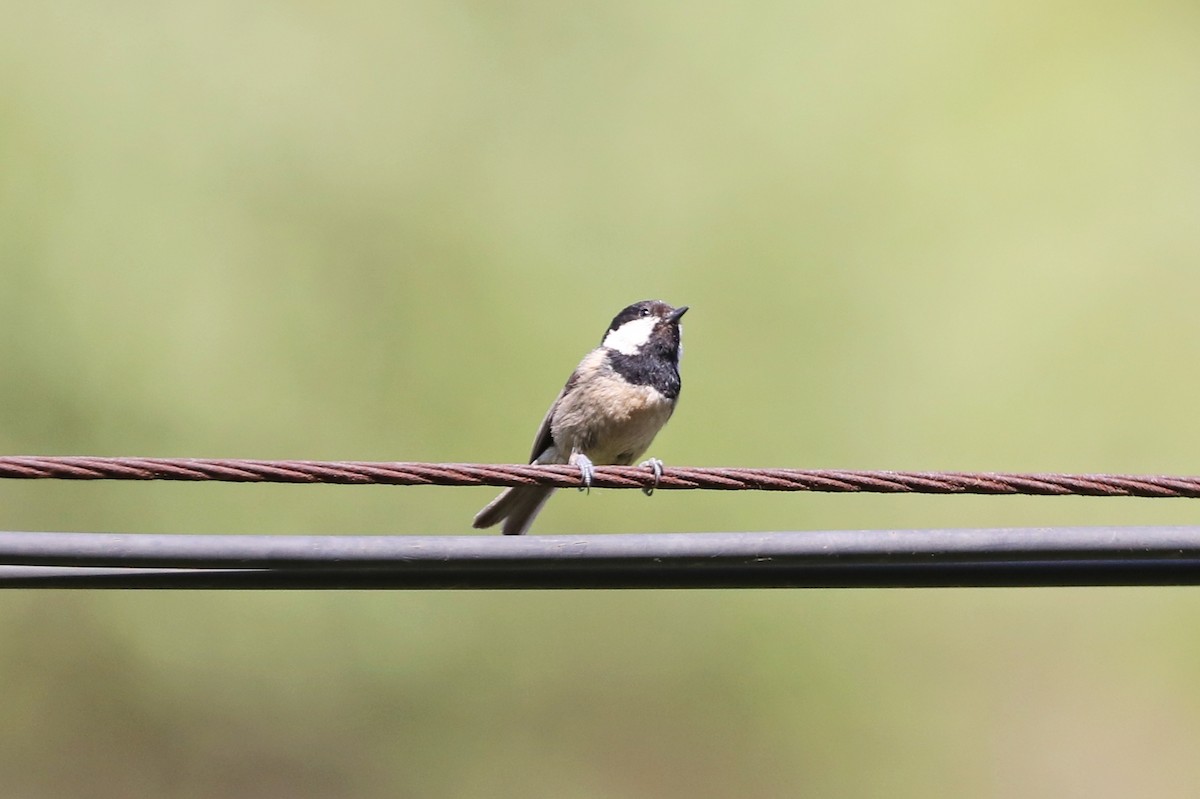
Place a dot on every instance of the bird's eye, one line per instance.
(645, 312)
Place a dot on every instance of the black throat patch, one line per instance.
(648, 368)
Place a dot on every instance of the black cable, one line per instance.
(847, 558)
(1129, 572)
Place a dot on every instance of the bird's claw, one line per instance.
(587, 471)
(657, 466)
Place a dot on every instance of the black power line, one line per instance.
(846, 558)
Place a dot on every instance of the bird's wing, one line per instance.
(545, 434)
(545, 439)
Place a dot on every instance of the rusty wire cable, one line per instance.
(673, 478)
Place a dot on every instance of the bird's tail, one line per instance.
(516, 507)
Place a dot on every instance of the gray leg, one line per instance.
(657, 466)
(587, 470)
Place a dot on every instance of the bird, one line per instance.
(608, 413)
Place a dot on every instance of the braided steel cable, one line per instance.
(673, 478)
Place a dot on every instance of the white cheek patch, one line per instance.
(630, 337)
(679, 352)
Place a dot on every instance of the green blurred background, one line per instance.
(921, 236)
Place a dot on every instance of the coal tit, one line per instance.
(612, 406)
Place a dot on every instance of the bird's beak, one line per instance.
(674, 315)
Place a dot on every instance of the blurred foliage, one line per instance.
(930, 236)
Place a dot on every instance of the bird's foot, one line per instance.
(587, 470)
(657, 466)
